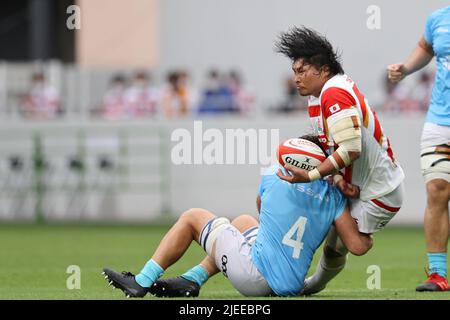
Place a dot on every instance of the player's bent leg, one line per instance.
(170, 249)
(205, 234)
(371, 216)
(189, 284)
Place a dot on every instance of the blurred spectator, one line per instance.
(41, 101)
(422, 91)
(141, 99)
(243, 99)
(217, 96)
(114, 98)
(397, 97)
(293, 101)
(401, 98)
(175, 96)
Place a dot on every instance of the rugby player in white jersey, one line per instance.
(360, 152)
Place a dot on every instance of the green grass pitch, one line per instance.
(34, 260)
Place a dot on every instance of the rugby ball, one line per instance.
(300, 153)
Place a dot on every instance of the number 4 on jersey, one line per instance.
(299, 228)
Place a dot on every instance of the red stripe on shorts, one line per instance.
(384, 206)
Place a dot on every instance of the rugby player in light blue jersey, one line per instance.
(435, 144)
(269, 257)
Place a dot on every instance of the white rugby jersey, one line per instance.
(376, 171)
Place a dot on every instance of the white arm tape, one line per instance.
(344, 129)
(352, 145)
(347, 136)
(348, 146)
(343, 153)
(333, 161)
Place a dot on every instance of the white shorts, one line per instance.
(434, 135)
(373, 215)
(435, 152)
(233, 257)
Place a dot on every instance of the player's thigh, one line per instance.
(245, 222)
(197, 218)
(373, 215)
(233, 258)
(212, 228)
(434, 154)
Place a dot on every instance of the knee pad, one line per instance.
(211, 231)
(435, 163)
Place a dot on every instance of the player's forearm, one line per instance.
(419, 57)
(335, 163)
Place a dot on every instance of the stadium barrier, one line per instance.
(126, 171)
(83, 172)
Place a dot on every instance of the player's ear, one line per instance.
(325, 71)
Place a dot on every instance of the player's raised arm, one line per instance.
(419, 58)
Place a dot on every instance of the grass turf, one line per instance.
(34, 260)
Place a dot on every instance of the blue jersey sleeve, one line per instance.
(339, 200)
(268, 179)
(428, 34)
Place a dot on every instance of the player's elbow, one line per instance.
(362, 246)
(350, 150)
(354, 155)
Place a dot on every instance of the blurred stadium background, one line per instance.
(87, 113)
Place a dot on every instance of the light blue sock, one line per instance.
(149, 274)
(438, 263)
(197, 274)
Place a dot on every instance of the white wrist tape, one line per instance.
(337, 178)
(333, 161)
(314, 175)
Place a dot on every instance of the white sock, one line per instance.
(329, 265)
(327, 269)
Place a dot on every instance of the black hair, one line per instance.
(315, 139)
(173, 76)
(307, 44)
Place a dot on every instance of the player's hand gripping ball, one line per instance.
(300, 153)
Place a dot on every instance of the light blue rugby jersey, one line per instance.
(294, 220)
(437, 33)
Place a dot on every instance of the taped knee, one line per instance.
(435, 163)
(211, 231)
